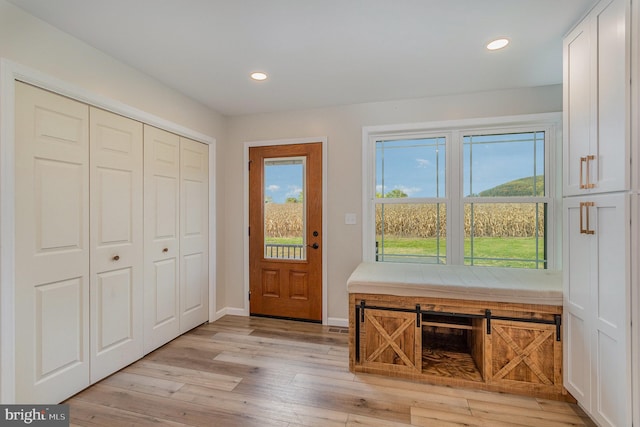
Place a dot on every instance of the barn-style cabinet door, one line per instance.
(392, 341)
(525, 356)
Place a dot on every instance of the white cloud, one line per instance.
(294, 191)
(273, 188)
(423, 163)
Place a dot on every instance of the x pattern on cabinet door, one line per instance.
(523, 355)
(392, 339)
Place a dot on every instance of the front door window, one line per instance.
(284, 208)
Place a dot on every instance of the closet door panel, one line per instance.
(162, 237)
(52, 246)
(194, 234)
(116, 242)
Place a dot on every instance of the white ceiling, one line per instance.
(323, 52)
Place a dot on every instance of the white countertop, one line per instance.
(515, 285)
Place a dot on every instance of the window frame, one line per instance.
(445, 200)
(454, 131)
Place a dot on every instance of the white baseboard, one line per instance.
(336, 321)
(231, 311)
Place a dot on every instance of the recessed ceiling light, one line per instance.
(258, 76)
(497, 44)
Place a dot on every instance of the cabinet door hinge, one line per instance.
(249, 231)
(249, 165)
(249, 297)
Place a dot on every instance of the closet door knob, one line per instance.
(116, 258)
(165, 250)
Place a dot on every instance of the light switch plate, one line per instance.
(350, 218)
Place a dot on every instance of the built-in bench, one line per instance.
(489, 328)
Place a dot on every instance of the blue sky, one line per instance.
(417, 167)
(283, 181)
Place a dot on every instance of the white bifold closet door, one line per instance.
(52, 246)
(194, 234)
(111, 242)
(162, 237)
(117, 282)
(176, 235)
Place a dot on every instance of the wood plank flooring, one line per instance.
(243, 371)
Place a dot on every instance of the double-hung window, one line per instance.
(475, 192)
(410, 199)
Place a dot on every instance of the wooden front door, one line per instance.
(285, 234)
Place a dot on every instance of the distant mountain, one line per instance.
(518, 187)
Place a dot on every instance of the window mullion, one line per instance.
(455, 214)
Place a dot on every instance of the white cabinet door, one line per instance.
(596, 84)
(610, 144)
(577, 106)
(162, 237)
(116, 242)
(52, 246)
(578, 253)
(597, 306)
(194, 234)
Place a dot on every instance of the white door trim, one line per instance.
(247, 145)
(9, 73)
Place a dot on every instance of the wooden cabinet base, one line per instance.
(505, 347)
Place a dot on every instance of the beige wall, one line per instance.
(343, 128)
(31, 42)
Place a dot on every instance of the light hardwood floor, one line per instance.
(242, 371)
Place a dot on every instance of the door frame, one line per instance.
(245, 214)
(10, 72)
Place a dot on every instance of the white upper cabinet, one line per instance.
(596, 100)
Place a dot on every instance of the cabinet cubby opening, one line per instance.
(448, 346)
